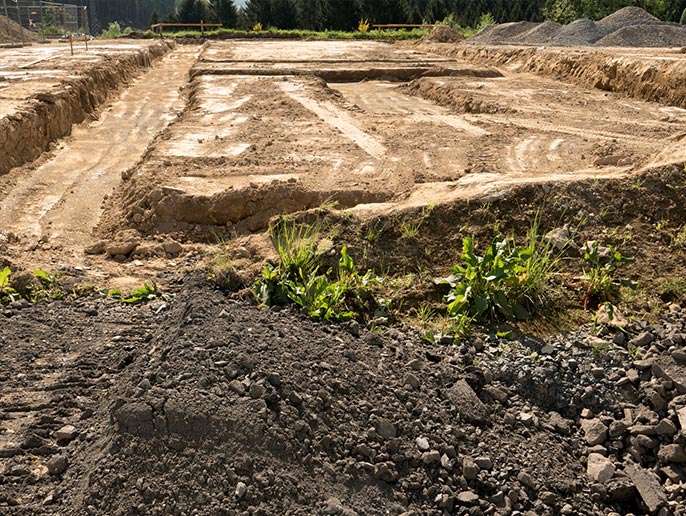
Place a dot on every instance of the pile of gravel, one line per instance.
(627, 27)
(662, 35)
(579, 32)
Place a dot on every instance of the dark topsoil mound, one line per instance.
(203, 405)
(627, 27)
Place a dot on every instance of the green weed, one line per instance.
(508, 281)
(410, 228)
(599, 274)
(338, 295)
(7, 293)
(147, 292)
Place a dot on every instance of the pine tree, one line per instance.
(154, 18)
(314, 14)
(225, 12)
(256, 11)
(284, 14)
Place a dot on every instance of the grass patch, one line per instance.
(338, 294)
(507, 282)
(384, 35)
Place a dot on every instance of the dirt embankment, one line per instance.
(11, 32)
(662, 81)
(50, 115)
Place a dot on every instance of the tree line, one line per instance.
(346, 14)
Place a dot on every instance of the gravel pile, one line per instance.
(211, 406)
(579, 32)
(646, 36)
(539, 34)
(502, 34)
(628, 27)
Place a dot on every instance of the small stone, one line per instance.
(484, 463)
(241, 489)
(672, 453)
(648, 487)
(526, 418)
(526, 480)
(617, 428)
(385, 428)
(66, 433)
(172, 247)
(274, 379)
(595, 432)
(333, 506)
(96, 248)
(446, 462)
(586, 414)
(548, 498)
(386, 471)
(567, 509)
(121, 248)
(681, 416)
(665, 427)
(412, 381)
(432, 457)
(57, 465)
(467, 498)
(547, 349)
(257, 391)
(642, 340)
(469, 469)
(632, 375)
(237, 387)
(599, 468)
(423, 444)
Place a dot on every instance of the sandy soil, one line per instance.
(264, 132)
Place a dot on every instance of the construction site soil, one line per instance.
(129, 162)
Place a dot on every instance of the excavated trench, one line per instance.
(50, 115)
(265, 134)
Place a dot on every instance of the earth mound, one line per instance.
(627, 27)
(443, 34)
(12, 32)
(645, 36)
(630, 15)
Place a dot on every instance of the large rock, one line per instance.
(595, 432)
(468, 404)
(681, 415)
(672, 453)
(668, 369)
(599, 468)
(648, 487)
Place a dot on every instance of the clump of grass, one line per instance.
(338, 295)
(600, 274)
(221, 269)
(410, 228)
(508, 281)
